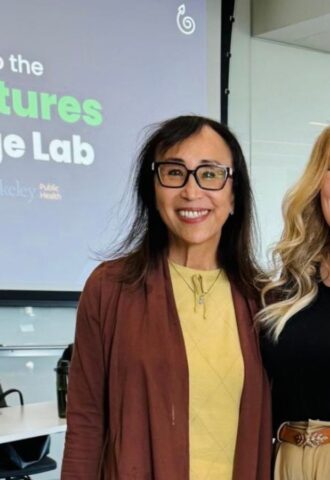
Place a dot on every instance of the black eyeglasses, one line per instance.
(208, 176)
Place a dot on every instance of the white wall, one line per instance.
(278, 91)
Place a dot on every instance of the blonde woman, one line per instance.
(296, 325)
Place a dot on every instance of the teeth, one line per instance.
(192, 213)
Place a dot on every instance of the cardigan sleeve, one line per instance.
(86, 430)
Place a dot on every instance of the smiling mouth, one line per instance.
(192, 213)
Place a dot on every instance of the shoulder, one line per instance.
(106, 272)
(249, 296)
(103, 282)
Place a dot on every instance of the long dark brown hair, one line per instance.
(147, 238)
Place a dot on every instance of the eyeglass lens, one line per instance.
(211, 177)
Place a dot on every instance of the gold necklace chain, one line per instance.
(197, 289)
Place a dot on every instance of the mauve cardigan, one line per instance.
(128, 395)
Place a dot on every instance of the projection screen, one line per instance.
(79, 81)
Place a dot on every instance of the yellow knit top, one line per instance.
(216, 369)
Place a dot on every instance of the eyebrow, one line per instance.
(203, 161)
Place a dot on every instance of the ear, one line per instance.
(232, 204)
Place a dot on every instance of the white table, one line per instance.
(30, 420)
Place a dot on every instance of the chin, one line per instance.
(195, 240)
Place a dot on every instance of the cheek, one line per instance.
(325, 199)
(325, 190)
(225, 199)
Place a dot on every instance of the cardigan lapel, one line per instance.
(246, 454)
(169, 331)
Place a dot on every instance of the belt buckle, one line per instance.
(313, 439)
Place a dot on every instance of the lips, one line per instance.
(192, 214)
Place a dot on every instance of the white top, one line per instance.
(30, 420)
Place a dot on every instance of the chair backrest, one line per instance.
(2, 398)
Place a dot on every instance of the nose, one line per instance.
(191, 189)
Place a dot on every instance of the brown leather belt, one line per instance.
(301, 438)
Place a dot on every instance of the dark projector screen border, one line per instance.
(38, 298)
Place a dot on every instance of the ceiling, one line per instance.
(312, 33)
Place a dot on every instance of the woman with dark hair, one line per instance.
(166, 381)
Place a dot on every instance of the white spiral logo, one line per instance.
(186, 25)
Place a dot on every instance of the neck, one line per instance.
(193, 256)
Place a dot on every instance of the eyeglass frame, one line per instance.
(229, 174)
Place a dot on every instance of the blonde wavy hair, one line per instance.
(304, 244)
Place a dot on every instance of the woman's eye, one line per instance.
(175, 172)
(209, 174)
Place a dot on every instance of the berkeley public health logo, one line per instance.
(17, 189)
(186, 24)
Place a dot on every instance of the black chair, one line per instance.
(8, 470)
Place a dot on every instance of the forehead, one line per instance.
(204, 145)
